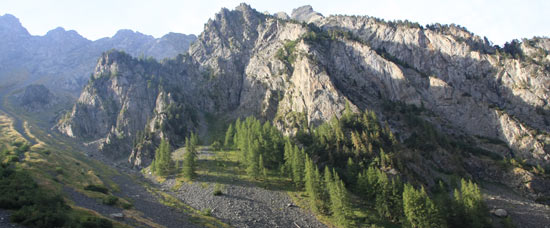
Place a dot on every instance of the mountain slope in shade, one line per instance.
(64, 59)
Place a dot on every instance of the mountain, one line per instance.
(439, 80)
(64, 59)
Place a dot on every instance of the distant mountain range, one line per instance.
(64, 59)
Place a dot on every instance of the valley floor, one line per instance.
(243, 202)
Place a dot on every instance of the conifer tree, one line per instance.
(469, 205)
(419, 209)
(227, 143)
(339, 200)
(163, 164)
(298, 167)
(190, 157)
(253, 159)
(313, 185)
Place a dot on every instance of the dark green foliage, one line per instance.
(363, 151)
(339, 200)
(420, 210)
(314, 187)
(32, 205)
(190, 157)
(110, 200)
(469, 208)
(256, 141)
(228, 142)
(94, 222)
(163, 164)
(97, 188)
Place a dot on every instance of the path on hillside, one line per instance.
(242, 204)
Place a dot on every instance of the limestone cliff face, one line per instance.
(466, 81)
(249, 63)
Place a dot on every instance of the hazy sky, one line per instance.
(499, 20)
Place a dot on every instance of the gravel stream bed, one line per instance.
(525, 213)
(242, 204)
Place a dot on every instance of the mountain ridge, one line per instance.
(63, 59)
(300, 75)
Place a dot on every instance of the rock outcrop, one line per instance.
(36, 98)
(296, 74)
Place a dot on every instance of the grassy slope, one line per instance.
(56, 161)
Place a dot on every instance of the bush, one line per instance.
(110, 200)
(206, 212)
(93, 222)
(97, 188)
(126, 205)
(218, 189)
(59, 170)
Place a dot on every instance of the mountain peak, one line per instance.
(243, 7)
(306, 14)
(11, 24)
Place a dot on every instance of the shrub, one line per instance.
(97, 188)
(93, 222)
(218, 189)
(206, 212)
(110, 200)
(59, 170)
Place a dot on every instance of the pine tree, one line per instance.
(288, 156)
(383, 195)
(339, 201)
(298, 167)
(189, 160)
(469, 206)
(419, 209)
(262, 168)
(163, 164)
(253, 159)
(313, 185)
(227, 143)
(351, 172)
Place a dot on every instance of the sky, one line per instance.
(498, 20)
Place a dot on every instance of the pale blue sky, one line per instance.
(500, 21)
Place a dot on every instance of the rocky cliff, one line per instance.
(64, 59)
(298, 74)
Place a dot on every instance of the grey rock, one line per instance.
(500, 213)
(117, 215)
(306, 14)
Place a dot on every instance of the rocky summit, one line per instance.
(305, 69)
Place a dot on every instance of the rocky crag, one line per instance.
(303, 70)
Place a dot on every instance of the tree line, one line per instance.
(352, 156)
